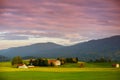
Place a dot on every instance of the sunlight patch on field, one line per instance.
(56, 69)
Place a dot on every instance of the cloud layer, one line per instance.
(69, 20)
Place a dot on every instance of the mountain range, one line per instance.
(107, 47)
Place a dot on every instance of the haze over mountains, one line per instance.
(107, 47)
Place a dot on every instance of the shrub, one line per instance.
(82, 64)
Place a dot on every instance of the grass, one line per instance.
(69, 65)
(91, 71)
(5, 64)
(60, 75)
(6, 67)
(100, 65)
(57, 69)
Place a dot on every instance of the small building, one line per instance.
(116, 65)
(22, 66)
(54, 62)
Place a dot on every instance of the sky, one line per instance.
(66, 22)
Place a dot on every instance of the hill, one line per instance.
(107, 47)
(93, 49)
(3, 58)
(29, 50)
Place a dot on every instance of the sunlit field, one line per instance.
(60, 75)
(91, 71)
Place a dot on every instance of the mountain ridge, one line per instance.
(107, 47)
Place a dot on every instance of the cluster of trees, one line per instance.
(68, 60)
(102, 59)
(39, 62)
(44, 61)
(36, 62)
(16, 60)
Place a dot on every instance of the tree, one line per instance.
(17, 60)
(72, 60)
(62, 60)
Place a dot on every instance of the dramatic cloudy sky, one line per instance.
(24, 22)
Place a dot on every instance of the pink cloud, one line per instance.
(60, 18)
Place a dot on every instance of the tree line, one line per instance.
(43, 61)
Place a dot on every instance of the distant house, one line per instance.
(54, 62)
(22, 66)
(116, 65)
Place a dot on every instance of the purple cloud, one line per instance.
(58, 18)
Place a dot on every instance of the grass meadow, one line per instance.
(91, 71)
(89, 75)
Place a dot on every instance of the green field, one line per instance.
(91, 71)
(60, 75)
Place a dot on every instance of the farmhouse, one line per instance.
(54, 62)
(116, 65)
(22, 66)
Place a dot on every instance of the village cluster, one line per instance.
(17, 62)
(42, 62)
